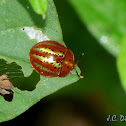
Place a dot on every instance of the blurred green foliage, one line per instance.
(121, 63)
(105, 19)
(39, 6)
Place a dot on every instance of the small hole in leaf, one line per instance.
(8, 97)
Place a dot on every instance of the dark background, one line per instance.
(89, 101)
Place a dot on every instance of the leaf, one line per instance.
(14, 47)
(105, 20)
(39, 6)
(121, 63)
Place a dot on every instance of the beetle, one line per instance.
(52, 59)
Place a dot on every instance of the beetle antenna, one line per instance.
(77, 64)
(80, 76)
(79, 58)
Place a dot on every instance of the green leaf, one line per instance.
(121, 63)
(14, 47)
(105, 19)
(39, 6)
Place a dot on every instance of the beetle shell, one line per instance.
(51, 59)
